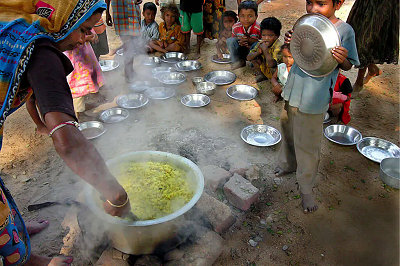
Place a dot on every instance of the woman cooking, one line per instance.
(33, 69)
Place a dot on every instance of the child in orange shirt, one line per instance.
(171, 37)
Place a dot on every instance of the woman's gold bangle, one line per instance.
(119, 206)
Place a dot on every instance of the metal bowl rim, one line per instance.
(262, 125)
(133, 93)
(101, 127)
(374, 138)
(206, 77)
(124, 112)
(197, 94)
(340, 143)
(235, 98)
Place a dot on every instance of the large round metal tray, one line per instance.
(132, 101)
(92, 129)
(242, 92)
(114, 115)
(220, 77)
(108, 65)
(313, 38)
(260, 135)
(377, 149)
(343, 135)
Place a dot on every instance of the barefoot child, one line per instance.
(306, 101)
(245, 34)
(171, 37)
(267, 53)
(229, 18)
(148, 26)
(281, 73)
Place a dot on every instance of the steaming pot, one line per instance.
(142, 237)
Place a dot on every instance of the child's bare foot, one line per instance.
(238, 64)
(34, 227)
(277, 98)
(370, 75)
(308, 203)
(36, 260)
(280, 172)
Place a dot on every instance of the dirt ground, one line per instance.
(358, 218)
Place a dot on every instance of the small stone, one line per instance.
(258, 239)
(253, 173)
(14, 176)
(253, 243)
(239, 168)
(24, 172)
(277, 181)
(225, 201)
(322, 255)
(27, 180)
(263, 222)
(285, 247)
(269, 219)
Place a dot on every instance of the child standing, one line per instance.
(126, 14)
(229, 18)
(306, 101)
(245, 34)
(148, 27)
(281, 73)
(191, 18)
(266, 54)
(171, 37)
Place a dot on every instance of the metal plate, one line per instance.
(377, 149)
(327, 118)
(313, 38)
(92, 129)
(158, 70)
(139, 86)
(114, 115)
(188, 65)
(173, 57)
(195, 100)
(160, 93)
(343, 135)
(226, 59)
(220, 77)
(151, 61)
(172, 78)
(132, 101)
(242, 92)
(260, 135)
(108, 65)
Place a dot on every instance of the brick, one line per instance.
(239, 168)
(107, 259)
(253, 173)
(240, 192)
(204, 252)
(218, 213)
(215, 176)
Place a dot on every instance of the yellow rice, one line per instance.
(154, 189)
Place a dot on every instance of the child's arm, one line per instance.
(259, 1)
(156, 46)
(268, 57)
(340, 54)
(276, 86)
(254, 53)
(31, 107)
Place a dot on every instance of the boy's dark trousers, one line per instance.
(237, 52)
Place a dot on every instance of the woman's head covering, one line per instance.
(21, 23)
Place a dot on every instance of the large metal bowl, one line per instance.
(172, 78)
(92, 129)
(142, 237)
(188, 65)
(390, 172)
(114, 115)
(242, 92)
(108, 65)
(260, 135)
(343, 135)
(313, 38)
(132, 101)
(173, 57)
(377, 149)
(207, 88)
(195, 100)
(220, 77)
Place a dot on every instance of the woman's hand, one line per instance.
(340, 54)
(288, 36)
(92, 37)
(118, 211)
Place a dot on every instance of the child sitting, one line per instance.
(281, 73)
(148, 27)
(267, 53)
(171, 37)
(340, 105)
(245, 34)
(229, 18)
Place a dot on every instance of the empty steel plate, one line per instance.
(108, 65)
(220, 77)
(377, 149)
(114, 115)
(172, 78)
(260, 135)
(160, 93)
(242, 92)
(132, 101)
(92, 129)
(343, 135)
(226, 59)
(158, 70)
(139, 86)
(188, 65)
(195, 100)
(173, 57)
(151, 61)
